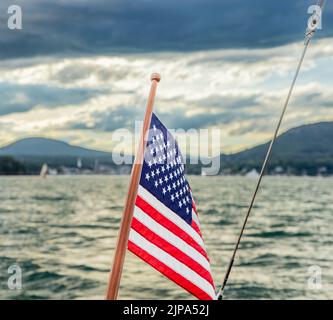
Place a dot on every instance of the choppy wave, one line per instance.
(61, 231)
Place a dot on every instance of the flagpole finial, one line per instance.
(156, 77)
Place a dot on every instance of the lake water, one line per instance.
(61, 231)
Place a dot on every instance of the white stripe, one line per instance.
(169, 214)
(195, 218)
(172, 263)
(171, 238)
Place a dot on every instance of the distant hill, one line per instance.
(42, 147)
(32, 153)
(305, 148)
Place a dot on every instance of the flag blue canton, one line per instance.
(163, 171)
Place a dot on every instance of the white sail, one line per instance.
(79, 163)
(44, 170)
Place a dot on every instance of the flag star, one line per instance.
(181, 192)
(180, 204)
(147, 176)
(164, 191)
(152, 174)
(149, 164)
(171, 175)
(164, 157)
(172, 198)
(178, 183)
(169, 188)
(162, 169)
(177, 195)
(187, 211)
(155, 161)
(160, 159)
(184, 201)
(157, 171)
(174, 186)
(156, 184)
(168, 167)
(160, 181)
(166, 179)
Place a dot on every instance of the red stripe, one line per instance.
(196, 228)
(171, 249)
(154, 214)
(168, 272)
(194, 224)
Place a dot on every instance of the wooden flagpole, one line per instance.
(121, 247)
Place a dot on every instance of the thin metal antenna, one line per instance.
(309, 34)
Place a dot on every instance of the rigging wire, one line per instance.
(308, 36)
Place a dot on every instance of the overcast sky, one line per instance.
(79, 70)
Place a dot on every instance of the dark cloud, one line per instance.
(106, 26)
(21, 98)
(207, 119)
(81, 71)
(215, 110)
(119, 118)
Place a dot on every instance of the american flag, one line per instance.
(165, 230)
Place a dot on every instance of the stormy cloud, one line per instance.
(64, 28)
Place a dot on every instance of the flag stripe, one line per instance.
(196, 228)
(172, 250)
(170, 237)
(165, 222)
(171, 267)
(170, 215)
(195, 217)
(195, 223)
(168, 272)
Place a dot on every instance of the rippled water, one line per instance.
(61, 231)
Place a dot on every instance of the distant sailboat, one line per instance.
(44, 170)
(79, 163)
